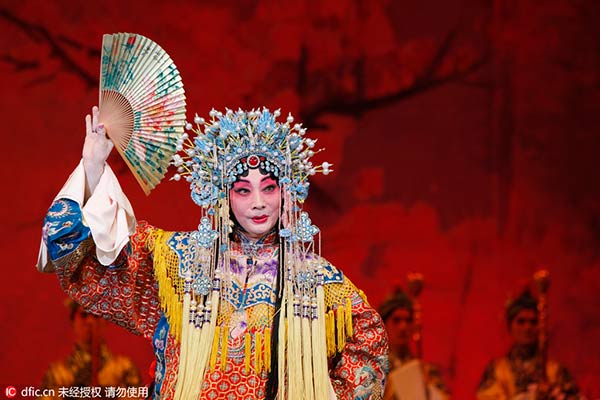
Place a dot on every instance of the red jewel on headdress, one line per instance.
(253, 161)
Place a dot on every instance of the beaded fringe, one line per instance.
(310, 333)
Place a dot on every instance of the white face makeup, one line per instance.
(255, 203)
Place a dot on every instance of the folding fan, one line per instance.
(142, 104)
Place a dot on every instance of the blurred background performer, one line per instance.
(410, 378)
(90, 364)
(521, 375)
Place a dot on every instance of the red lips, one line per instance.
(260, 220)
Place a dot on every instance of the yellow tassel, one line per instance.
(341, 342)
(200, 362)
(307, 367)
(349, 328)
(268, 349)
(167, 294)
(183, 351)
(190, 363)
(294, 351)
(363, 296)
(248, 351)
(282, 366)
(215, 348)
(258, 352)
(224, 349)
(332, 332)
(321, 373)
(330, 322)
(327, 338)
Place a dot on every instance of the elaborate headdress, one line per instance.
(399, 299)
(410, 302)
(524, 301)
(233, 142)
(223, 148)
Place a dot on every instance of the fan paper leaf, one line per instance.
(142, 104)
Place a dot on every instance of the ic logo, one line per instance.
(10, 391)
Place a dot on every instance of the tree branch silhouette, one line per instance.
(18, 64)
(431, 77)
(40, 34)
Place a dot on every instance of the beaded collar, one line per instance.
(241, 243)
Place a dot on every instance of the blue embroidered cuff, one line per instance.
(63, 229)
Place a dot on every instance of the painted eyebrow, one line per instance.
(262, 180)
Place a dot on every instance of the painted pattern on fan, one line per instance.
(142, 104)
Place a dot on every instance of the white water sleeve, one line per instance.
(107, 213)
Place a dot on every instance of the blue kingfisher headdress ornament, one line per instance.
(231, 143)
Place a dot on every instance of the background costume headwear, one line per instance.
(525, 301)
(222, 149)
(399, 299)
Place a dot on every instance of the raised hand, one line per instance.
(96, 149)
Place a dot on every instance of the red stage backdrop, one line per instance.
(463, 134)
